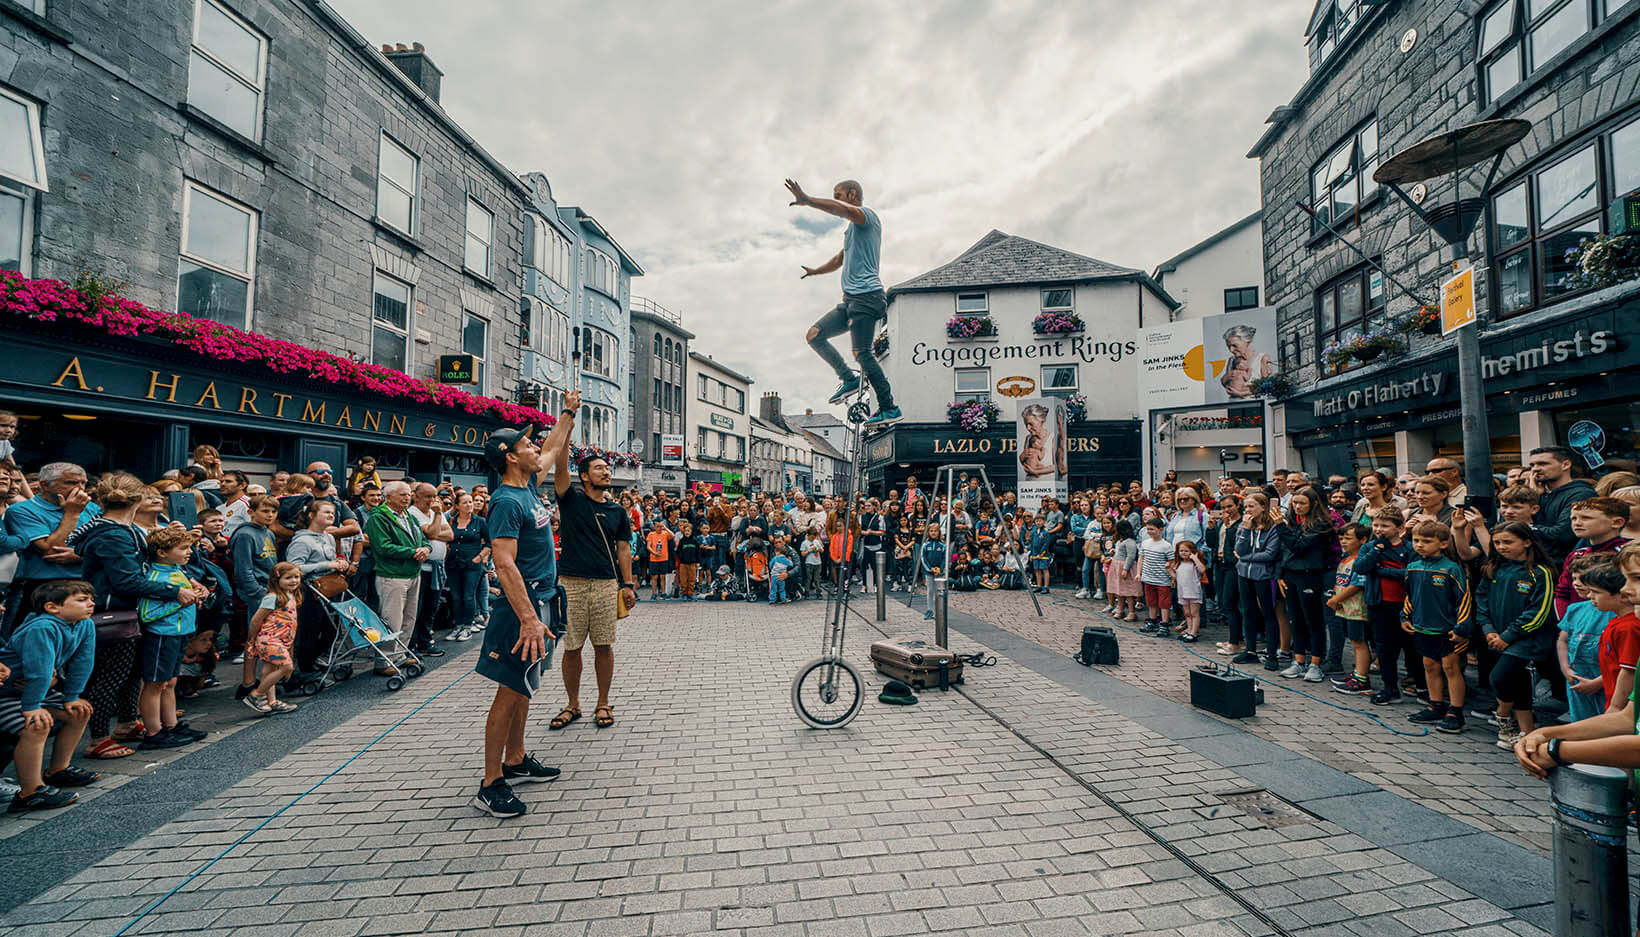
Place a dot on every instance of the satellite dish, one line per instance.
(1586, 438)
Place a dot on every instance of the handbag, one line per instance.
(330, 585)
(117, 626)
(621, 610)
(1090, 548)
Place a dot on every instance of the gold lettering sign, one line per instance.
(208, 394)
(310, 415)
(73, 370)
(154, 383)
(970, 445)
(373, 420)
(247, 401)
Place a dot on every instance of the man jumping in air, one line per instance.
(864, 302)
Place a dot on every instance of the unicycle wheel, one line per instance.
(859, 412)
(827, 693)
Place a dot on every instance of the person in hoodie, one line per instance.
(253, 552)
(1514, 611)
(1552, 468)
(1384, 562)
(113, 550)
(1258, 555)
(312, 549)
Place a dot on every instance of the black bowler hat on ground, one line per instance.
(502, 442)
(897, 693)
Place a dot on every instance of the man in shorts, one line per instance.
(596, 572)
(514, 644)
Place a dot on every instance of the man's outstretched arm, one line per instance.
(826, 267)
(853, 213)
(555, 447)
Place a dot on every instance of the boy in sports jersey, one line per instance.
(526, 569)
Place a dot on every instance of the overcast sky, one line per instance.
(1111, 128)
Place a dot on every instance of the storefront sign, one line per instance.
(455, 369)
(1458, 301)
(981, 354)
(95, 380)
(1016, 386)
(1096, 447)
(671, 449)
(721, 421)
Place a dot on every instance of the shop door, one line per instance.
(333, 454)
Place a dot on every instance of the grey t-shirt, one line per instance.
(862, 243)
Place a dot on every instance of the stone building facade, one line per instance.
(658, 392)
(1383, 77)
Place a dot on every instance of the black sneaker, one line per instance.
(1272, 663)
(431, 650)
(498, 800)
(45, 797)
(1385, 696)
(1452, 724)
(192, 735)
(1151, 627)
(241, 691)
(1428, 716)
(1245, 657)
(164, 738)
(71, 777)
(529, 770)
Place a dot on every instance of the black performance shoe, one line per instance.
(1385, 696)
(242, 690)
(192, 735)
(1428, 716)
(71, 777)
(1452, 724)
(164, 738)
(1245, 657)
(529, 770)
(45, 798)
(497, 800)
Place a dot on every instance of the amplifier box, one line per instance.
(1099, 646)
(1226, 692)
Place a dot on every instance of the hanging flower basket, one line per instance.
(1056, 323)
(1605, 261)
(975, 416)
(1339, 354)
(1369, 346)
(962, 327)
(879, 345)
(1076, 408)
(615, 459)
(1423, 321)
(1274, 386)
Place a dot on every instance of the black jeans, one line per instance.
(315, 633)
(1258, 613)
(427, 603)
(1228, 596)
(1390, 641)
(1304, 605)
(467, 579)
(857, 315)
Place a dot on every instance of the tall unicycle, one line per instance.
(827, 691)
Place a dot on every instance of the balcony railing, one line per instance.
(646, 305)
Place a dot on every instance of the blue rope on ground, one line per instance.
(293, 801)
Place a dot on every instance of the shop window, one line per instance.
(599, 350)
(475, 339)
(480, 239)
(217, 266)
(1059, 380)
(390, 324)
(1058, 299)
(1349, 306)
(1241, 297)
(973, 304)
(973, 383)
(22, 152)
(1519, 37)
(1342, 182)
(227, 69)
(398, 174)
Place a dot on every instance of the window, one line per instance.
(1292, 353)
(973, 383)
(700, 386)
(549, 251)
(1059, 379)
(1058, 298)
(598, 352)
(397, 177)
(602, 274)
(972, 304)
(1542, 217)
(480, 238)
(1340, 17)
(553, 333)
(475, 339)
(390, 324)
(1349, 306)
(1241, 297)
(227, 69)
(740, 401)
(215, 272)
(22, 154)
(657, 344)
(1519, 37)
(16, 229)
(1342, 181)
(700, 441)
(598, 426)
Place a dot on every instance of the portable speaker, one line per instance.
(1099, 646)
(1226, 692)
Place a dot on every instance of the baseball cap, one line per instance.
(502, 442)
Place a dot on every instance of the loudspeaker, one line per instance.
(1099, 646)
(1225, 692)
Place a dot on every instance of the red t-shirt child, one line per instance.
(1619, 649)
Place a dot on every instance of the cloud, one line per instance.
(1109, 128)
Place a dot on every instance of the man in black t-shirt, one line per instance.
(595, 569)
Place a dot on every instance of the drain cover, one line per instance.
(1267, 808)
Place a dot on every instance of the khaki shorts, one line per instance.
(591, 611)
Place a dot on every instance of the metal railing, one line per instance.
(646, 305)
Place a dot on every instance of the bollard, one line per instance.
(882, 584)
(1591, 851)
(941, 595)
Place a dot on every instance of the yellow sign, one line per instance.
(1197, 364)
(1016, 386)
(1458, 301)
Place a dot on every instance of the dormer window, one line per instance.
(1337, 18)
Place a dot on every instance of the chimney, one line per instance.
(413, 61)
(768, 408)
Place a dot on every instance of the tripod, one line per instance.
(938, 585)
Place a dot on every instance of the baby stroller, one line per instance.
(757, 571)
(360, 635)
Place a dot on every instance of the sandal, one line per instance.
(109, 748)
(604, 717)
(564, 718)
(134, 734)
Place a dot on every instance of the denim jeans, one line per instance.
(467, 582)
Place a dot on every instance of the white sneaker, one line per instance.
(1081, 593)
(1099, 595)
(462, 635)
(1294, 669)
(9, 788)
(1314, 675)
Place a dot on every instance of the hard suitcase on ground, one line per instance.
(916, 662)
(1226, 692)
(1099, 646)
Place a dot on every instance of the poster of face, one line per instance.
(1044, 457)
(1246, 342)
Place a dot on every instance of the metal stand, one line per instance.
(882, 585)
(937, 589)
(1591, 851)
(941, 590)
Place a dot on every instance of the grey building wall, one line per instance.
(673, 375)
(112, 79)
(1414, 95)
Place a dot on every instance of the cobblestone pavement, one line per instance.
(1467, 777)
(1016, 807)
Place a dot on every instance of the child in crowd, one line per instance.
(905, 541)
(1620, 642)
(58, 638)
(1383, 560)
(1514, 605)
(659, 543)
(275, 628)
(1599, 522)
(1518, 504)
(1041, 554)
(1188, 568)
(723, 587)
(1599, 582)
(780, 566)
(1154, 555)
(1124, 574)
(204, 566)
(1011, 566)
(689, 551)
(1349, 602)
(1437, 614)
(813, 549)
(167, 626)
(253, 554)
(932, 561)
(990, 570)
